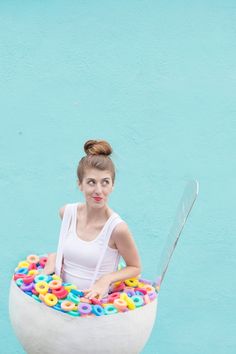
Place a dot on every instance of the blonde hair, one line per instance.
(97, 156)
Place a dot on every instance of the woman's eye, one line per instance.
(105, 182)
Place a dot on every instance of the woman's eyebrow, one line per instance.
(90, 178)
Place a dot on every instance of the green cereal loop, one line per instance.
(138, 300)
(41, 277)
(109, 309)
(19, 281)
(36, 298)
(72, 297)
(74, 313)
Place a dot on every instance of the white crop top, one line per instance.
(85, 261)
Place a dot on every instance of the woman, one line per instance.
(96, 233)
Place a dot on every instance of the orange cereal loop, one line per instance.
(55, 284)
(146, 299)
(67, 305)
(33, 258)
(84, 299)
(148, 288)
(41, 297)
(120, 304)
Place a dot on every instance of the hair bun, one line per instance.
(97, 147)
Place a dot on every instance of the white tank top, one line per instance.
(85, 261)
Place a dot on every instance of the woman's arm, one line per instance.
(49, 267)
(127, 248)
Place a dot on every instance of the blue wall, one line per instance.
(157, 80)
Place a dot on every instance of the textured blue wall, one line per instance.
(157, 80)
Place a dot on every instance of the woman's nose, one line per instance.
(98, 188)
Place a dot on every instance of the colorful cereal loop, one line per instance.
(55, 284)
(148, 288)
(138, 300)
(40, 278)
(84, 308)
(74, 298)
(36, 298)
(32, 266)
(43, 261)
(42, 287)
(28, 279)
(120, 287)
(124, 296)
(146, 299)
(77, 292)
(60, 293)
(69, 287)
(23, 270)
(152, 295)
(27, 287)
(33, 258)
(73, 313)
(98, 310)
(131, 282)
(19, 281)
(128, 300)
(67, 305)
(23, 264)
(50, 299)
(120, 304)
(110, 309)
(113, 296)
(84, 299)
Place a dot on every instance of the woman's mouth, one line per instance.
(97, 199)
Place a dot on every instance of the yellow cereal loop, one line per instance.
(42, 287)
(70, 287)
(50, 299)
(132, 282)
(140, 284)
(23, 264)
(130, 304)
(33, 272)
(124, 296)
(56, 277)
(117, 283)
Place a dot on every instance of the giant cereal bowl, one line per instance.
(41, 329)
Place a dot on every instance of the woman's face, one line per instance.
(96, 186)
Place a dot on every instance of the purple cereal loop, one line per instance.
(84, 308)
(152, 295)
(129, 292)
(145, 281)
(27, 287)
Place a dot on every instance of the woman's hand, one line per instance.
(46, 271)
(99, 289)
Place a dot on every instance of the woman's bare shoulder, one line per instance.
(62, 209)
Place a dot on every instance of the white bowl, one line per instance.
(41, 329)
